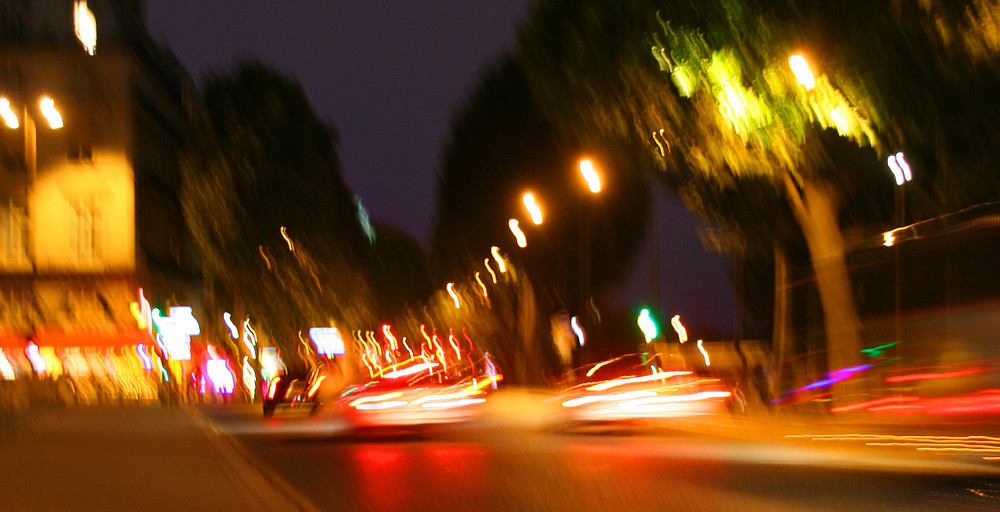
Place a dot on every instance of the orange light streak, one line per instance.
(632, 380)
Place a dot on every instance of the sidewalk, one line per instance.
(129, 458)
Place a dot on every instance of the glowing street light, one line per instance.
(85, 26)
(590, 175)
(9, 117)
(682, 333)
(51, 114)
(532, 207)
(495, 251)
(454, 296)
(647, 325)
(900, 169)
(802, 72)
(522, 242)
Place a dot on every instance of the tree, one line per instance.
(274, 221)
(708, 85)
(500, 147)
(400, 275)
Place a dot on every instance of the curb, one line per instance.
(271, 491)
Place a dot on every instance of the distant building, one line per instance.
(89, 211)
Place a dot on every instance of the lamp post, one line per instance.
(593, 181)
(901, 171)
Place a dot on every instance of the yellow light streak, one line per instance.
(633, 380)
(590, 175)
(522, 242)
(704, 353)
(679, 327)
(375, 398)
(486, 261)
(288, 240)
(51, 114)
(533, 209)
(9, 117)
(451, 291)
(495, 251)
(800, 68)
(482, 286)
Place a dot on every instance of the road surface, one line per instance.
(497, 466)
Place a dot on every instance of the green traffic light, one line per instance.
(647, 325)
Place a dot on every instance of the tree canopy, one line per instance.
(274, 221)
(811, 96)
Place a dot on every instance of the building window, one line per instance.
(80, 152)
(86, 233)
(13, 234)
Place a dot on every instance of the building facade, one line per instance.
(89, 207)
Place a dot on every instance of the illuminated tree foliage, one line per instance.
(274, 221)
(709, 87)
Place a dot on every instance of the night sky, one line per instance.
(389, 75)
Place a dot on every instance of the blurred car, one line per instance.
(416, 393)
(640, 388)
(287, 392)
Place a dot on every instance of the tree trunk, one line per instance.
(779, 336)
(816, 209)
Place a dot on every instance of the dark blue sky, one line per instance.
(389, 74)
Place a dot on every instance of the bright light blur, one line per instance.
(803, 74)
(147, 363)
(6, 369)
(482, 286)
(632, 380)
(495, 251)
(85, 26)
(633, 387)
(900, 169)
(51, 114)
(37, 362)
(590, 175)
(288, 239)
(250, 338)
(9, 117)
(575, 324)
(888, 238)
(682, 334)
(249, 378)
(409, 371)
(533, 209)
(646, 325)
(486, 261)
(223, 380)
(518, 234)
(328, 341)
(704, 352)
(454, 296)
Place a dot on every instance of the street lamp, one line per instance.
(533, 209)
(590, 175)
(800, 68)
(9, 117)
(901, 172)
(522, 242)
(48, 108)
(593, 181)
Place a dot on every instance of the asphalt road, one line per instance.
(492, 466)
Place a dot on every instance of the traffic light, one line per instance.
(647, 325)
